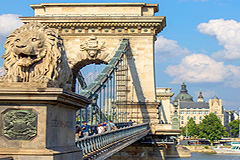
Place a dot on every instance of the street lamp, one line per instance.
(187, 130)
(113, 110)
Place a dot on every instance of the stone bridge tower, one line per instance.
(91, 32)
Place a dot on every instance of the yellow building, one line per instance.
(187, 108)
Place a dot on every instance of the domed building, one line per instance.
(187, 108)
(183, 96)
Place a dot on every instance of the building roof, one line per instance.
(215, 97)
(183, 95)
(194, 105)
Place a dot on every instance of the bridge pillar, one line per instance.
(91, 33)
(141, 151)
(152, 147)
(177, 151)
(38, 123)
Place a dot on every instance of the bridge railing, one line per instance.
(98, 144)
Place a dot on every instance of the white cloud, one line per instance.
(234, 77)
(197, 68)
(8, 23)
(2, 71)
(227, 32)
(169, 48)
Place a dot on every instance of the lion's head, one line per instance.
(29, 47)
(35, 53)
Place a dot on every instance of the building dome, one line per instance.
(215, 97)
(183, 95)
(200, 97)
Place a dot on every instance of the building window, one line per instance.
(200, 118)
(182, 112)
(188, 118)
(194, 112)
(182, 117)
(200, 112)
(215, 112)
(182, 122)
(194, 118)
(206, 112)
(188, 112)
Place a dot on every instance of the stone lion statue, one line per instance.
(35, 53)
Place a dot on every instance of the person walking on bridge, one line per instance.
(111, 126)
(86, 129)
(100, 128)
(130, 123)
(77, 132)
(105, 126)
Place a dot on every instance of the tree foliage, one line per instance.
(235, 127)
(192, 129)
(211, 128)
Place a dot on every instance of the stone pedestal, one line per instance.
(177, 151)
(39, 123)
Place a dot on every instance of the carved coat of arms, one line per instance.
(20, 124)
(92, 46)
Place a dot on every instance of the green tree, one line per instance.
(211, 128)
(235, 127)
(192, 128)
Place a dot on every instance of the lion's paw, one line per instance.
(11, 78)
(43, 79)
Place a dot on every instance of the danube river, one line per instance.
(205, 156)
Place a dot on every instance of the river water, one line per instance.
(207, 156)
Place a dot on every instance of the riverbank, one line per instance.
(208, 156)
(200, 148)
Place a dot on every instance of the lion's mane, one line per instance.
(51, 68)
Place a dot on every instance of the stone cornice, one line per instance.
(139, 24)
(97, 19)
(41, 96)
(42, 5)
(92, 4)
(54, 24)
(164, 94)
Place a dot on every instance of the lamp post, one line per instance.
(113, 110)
(175, 103)
(93, 117)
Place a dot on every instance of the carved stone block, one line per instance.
(19, 124)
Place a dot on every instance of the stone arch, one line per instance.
(80, 64)
(91, 51)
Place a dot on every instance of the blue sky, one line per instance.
(200, 44)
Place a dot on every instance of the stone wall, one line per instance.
(200, 149)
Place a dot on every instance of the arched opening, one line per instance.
(86, 67)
